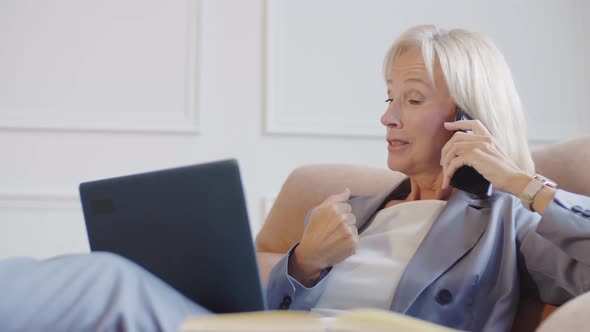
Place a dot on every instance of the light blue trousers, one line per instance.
(92, 292)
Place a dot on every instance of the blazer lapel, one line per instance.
(456, 230)
(364, 207)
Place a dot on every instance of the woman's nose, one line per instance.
(391, 116)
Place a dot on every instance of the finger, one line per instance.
(467, 137)
(473, 125)
(349, 219)
(337, 198)
(459, 125)
(458, 149)
(449, 170)
(480, 129)
(353, 231)
(458, 137)
(342, 207)
(355, 240)
(467, 159)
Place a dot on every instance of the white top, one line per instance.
(369, 278)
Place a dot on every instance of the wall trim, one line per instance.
(36, 201)
(187, 125)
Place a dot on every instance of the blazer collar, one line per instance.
(365, 207)
(454, 232)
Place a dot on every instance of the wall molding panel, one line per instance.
(325, 80)
(281, 112)
(181, 119)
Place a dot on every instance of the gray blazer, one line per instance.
(468, 271)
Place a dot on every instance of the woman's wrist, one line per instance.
(541, 200)
(518, 183)
(302, 270)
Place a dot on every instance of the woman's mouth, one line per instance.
(396, 145)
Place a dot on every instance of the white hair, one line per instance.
(478, 79)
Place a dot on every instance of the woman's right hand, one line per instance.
(329, 238)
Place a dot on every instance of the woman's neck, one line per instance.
(428, 186)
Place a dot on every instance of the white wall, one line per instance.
(93, 89)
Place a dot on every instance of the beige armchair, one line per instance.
(307, 186)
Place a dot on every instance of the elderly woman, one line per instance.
(424, 248)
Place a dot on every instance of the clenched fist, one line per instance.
(330, 237)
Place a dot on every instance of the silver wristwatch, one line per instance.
(527, 197)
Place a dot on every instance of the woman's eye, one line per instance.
(415, 102)
(388, 100)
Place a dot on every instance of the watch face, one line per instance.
(546, 181)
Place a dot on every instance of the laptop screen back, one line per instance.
(188, 226)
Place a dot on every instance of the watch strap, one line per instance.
(527, 197)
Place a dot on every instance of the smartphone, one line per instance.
(466, 178)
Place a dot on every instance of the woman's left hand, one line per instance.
(479, 150)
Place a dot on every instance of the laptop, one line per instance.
(188, 226)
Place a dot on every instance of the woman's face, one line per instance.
(415, 116)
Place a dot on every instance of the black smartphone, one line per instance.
(466, 178)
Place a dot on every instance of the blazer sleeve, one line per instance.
(555, 250)
(285, 292)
